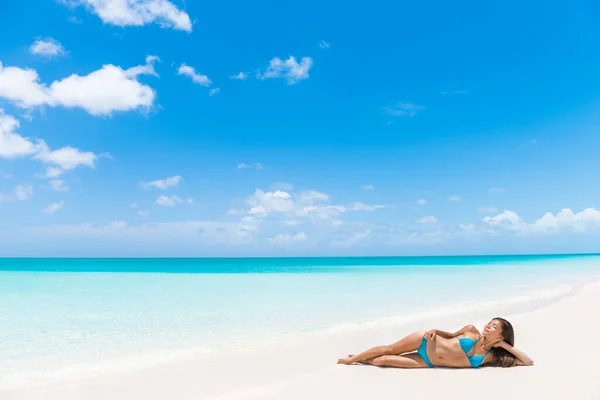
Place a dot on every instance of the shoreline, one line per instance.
(283, 368)
(76, 370)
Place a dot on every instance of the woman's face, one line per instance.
(493, 330)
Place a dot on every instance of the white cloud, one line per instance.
(403, 110)
(137, 12)
(241, 76)
(428, 219)
(564, 220)
(47, 48)
(311, 196)
(359, 206)
(12, 145)
(214, 91)
(454, 198)
(368, 187)
(163, 184)
(281, 206)
(256, 165)
(23, 192)
(58, 185)
(264, 203)
(497, 190)
(290, 70)
(53, 172)
(21, 86)
(287, 239)
(168, 201)
(134, 205)
(421, 202)
(52, 208)
(490, 210)
(143, 213)
(66, 158)
(324, 45)
(190, 72)
(507, 219)
(101, 92)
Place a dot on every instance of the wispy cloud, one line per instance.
(163, 184)
(403, 110)
(136, 12)
(48, 48)
(428, 219)
(54, 207)
(368, 187)
(23, 192)
(74, 20)
(241, 76)
(190, 72)
(290, 70)
(214, 91)
(324, 45)
(58, 185)
(169, 201)
(454, 198)
(255, 165)
(421, 202)
(497, 190)
(64, 159)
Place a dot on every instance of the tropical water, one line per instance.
(64, 318)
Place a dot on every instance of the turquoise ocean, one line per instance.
(65, 318)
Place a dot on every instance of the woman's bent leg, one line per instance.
(406, 345)
(412, 360)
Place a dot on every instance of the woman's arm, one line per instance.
(522, 358)
(448, 335)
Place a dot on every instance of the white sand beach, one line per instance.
(561, 338)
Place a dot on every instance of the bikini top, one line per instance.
(466, 345)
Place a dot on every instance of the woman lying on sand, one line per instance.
(466, 348)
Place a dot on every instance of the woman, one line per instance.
(466, 348)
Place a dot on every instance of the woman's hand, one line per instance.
(500, 343)
(430, 336)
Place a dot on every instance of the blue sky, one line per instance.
(387, 128)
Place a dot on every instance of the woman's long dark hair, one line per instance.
(502, 357)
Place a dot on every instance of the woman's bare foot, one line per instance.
(347, 361)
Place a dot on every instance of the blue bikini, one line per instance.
(466, 345)
(422, 351)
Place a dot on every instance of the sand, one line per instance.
(562, 339)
